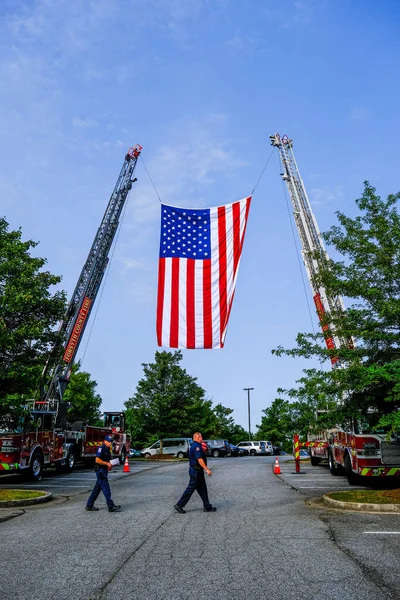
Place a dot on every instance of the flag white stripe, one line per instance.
(182, 303)
(216, 321)
(198, 300)
(166, 320)
(229, 253)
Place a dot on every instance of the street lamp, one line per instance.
(248, 407)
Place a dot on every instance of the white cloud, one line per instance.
(130, 263)
(324, 195)
(359, 114)
(83, 123)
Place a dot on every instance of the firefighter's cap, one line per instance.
(108, 438)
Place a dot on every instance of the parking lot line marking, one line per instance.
(383, 532)
(312, 479)
(321, 487)
(59, 485)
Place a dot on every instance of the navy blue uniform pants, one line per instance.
(196, 483)
(101, 485)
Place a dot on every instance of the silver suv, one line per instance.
(256, 447)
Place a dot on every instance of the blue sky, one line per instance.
(200, 84)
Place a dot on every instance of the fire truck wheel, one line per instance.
(122, 456)
(315, 461)
(352, 478)
(332, 465)
(70, 461)
(36, 467)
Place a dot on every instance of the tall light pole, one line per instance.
(248, 407)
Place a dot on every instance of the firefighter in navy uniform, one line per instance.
(102, 466)
(197, 466)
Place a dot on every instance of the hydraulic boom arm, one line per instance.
(312, 245)
(89, 282)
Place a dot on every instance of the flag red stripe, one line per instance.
(160, 299)
(174, 327)
(236, 235)
(190, 322)
(207, 304)
(248, 200)
(222, 267)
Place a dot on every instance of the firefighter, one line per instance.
(102, 466)
(197, 467)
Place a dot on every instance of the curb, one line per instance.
(361, 506)
(26, 502)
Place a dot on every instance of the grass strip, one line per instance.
(7, 495)
(368, 496)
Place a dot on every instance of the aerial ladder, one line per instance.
(359, 455)
(46, 439)
(82, 300)
(312, 246)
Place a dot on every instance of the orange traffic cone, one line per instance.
(277, 469)
(126, 466)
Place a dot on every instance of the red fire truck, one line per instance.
(42, 445)
(352, 452)
(357, 455)
(45, 438)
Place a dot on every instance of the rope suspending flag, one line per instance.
(200, 252)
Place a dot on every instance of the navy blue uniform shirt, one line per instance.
(196, 451)
(104, 453)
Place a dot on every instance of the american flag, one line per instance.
(199, 260)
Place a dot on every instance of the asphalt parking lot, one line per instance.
(311, 481)
(264, 540)
(81, 479)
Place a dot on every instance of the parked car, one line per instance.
(238, 451)
(277, 450)
(268, 448)
(218, 448)
(175, 446)
(134, 453)
(255, 447)
(304, 455)
(232, 450)
(206, 448)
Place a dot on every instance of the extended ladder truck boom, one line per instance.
(90, 279)
(311, 242)
(48, 440)
(356, 454)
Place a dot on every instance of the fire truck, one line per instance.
(45, 438)
(359, 455)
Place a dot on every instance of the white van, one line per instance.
(175, 446)
(268, 448)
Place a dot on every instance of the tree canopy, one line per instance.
(81, 394)
(168, 402)
(29, 312)
(366, 382)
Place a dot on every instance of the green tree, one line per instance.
(237, 434)
(168, 402)
(224, 423)
(369, 275)
(28, 315)
(81, 394)
(278, 422)
(225, 426)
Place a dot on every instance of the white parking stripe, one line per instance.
(320, 487)
(70, 486)
(383, 532)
